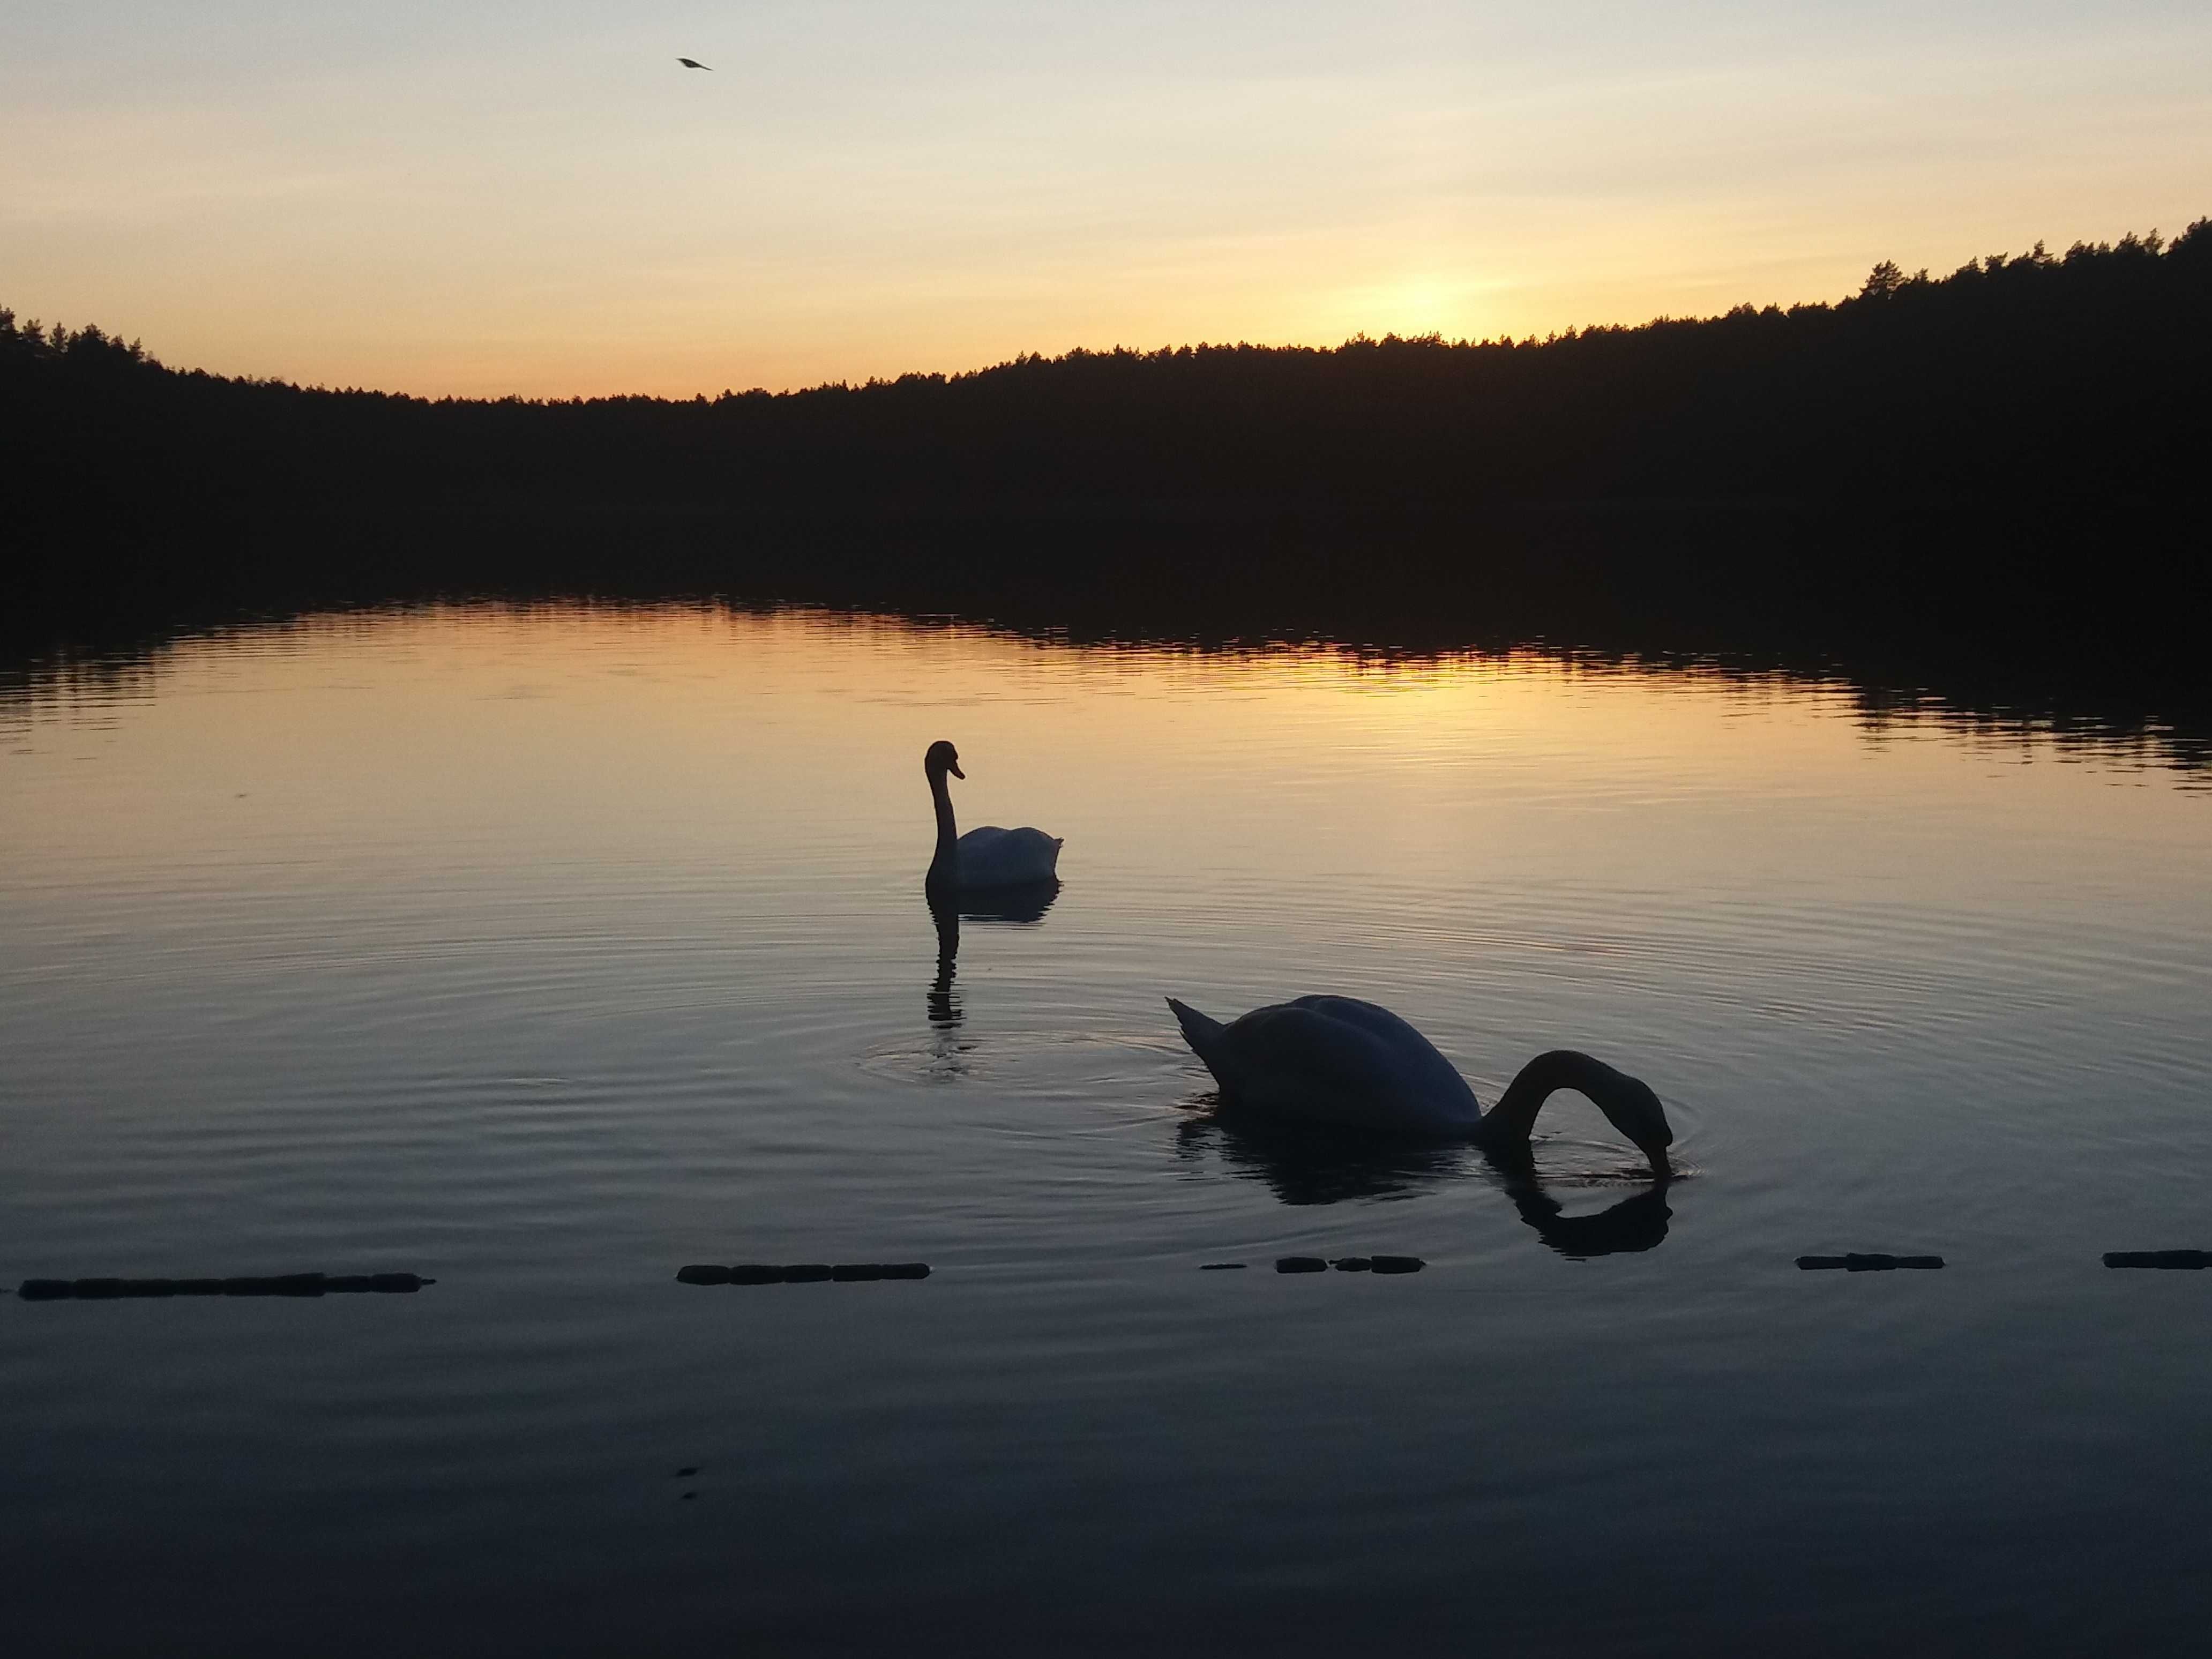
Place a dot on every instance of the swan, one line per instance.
(989, 857)
(1338, 1059)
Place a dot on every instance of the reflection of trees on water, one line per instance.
(2119, 702)
(1319, 1163)
(2094, 717)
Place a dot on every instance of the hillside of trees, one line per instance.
(2063, 391)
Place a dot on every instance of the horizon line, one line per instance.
(2151, 242)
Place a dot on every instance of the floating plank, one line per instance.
(801, 1272)
(1868, 1263)
(1350, 1264)
(109, 1289)
(2158, 1258)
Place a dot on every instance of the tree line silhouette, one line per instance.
(2033, 388)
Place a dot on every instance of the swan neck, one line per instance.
(945, 865)
(1508, 1124)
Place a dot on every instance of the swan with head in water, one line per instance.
(989, 857)
(1338, 1059)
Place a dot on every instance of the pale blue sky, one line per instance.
(483, 196)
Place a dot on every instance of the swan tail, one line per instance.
(1205, 1035)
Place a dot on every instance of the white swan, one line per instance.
(990, 856)
(1338, 1059)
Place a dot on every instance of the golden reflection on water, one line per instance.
(685, 730)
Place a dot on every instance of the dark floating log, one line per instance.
(2158, 1258)
(1220, 1267)
(1857, 1263)
(803, 1272)
(105, 1290)
(1350, 1264)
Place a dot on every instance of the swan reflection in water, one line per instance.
(1021, 907)
(943, 1001)
(1638, 1221)
(1322, 1163)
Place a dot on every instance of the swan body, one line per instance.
(984, 857)
(991, 857)
(1338, 1059)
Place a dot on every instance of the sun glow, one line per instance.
(1418, 304)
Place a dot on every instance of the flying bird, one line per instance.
(693, 63)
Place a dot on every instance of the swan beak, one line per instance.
(953, 767)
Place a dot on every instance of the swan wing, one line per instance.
(1372, 1018)
(992, 857)
(1337, 1060)
(1420, 1068)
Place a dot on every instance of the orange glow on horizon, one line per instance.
(436, 201)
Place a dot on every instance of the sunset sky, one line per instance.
(485, 196)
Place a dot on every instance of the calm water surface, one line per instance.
(543, 950)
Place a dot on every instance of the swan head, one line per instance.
(1635, 1110)
(942, 757)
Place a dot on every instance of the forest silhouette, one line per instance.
(2033, 423)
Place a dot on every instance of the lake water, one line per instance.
(545, 950)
